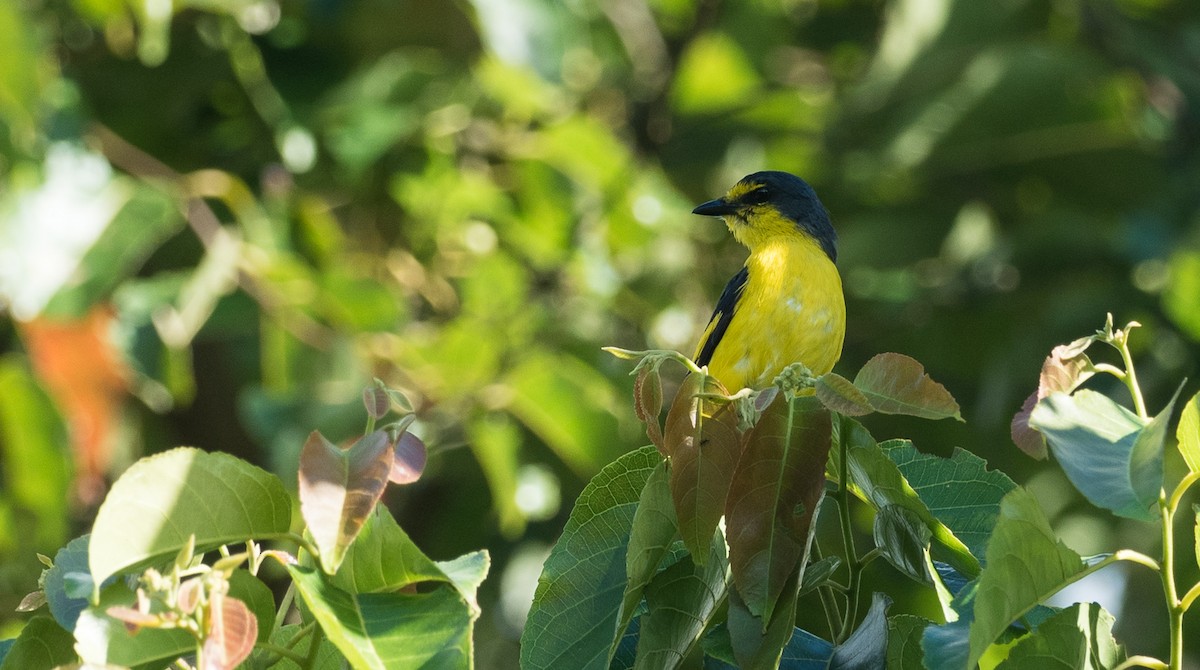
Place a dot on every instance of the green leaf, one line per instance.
(143, 223)
(100, 639)
(35, 456)
(1079, 636)
(339, 489)
(1025, 565)
(777, 487)
(841, 395)
(702, 441)
(866, 648)
(713, 56)
(758, 643)
(648, 400)
(1188, 433)
(682, 601)
(495, 441)
(547, 389)
(467, 573)
(68, 584)
(961, 493)
(819, 572)
(904, 642)
(383, 558)
(578, 600)
(897, 384)
(163, 500)
(1108, 453)
(328, 656)
(650, 540)
(904, 539)
(377, 631)
(42, 645)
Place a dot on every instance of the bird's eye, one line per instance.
(758, 196)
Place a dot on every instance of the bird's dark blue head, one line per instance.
(767, 204)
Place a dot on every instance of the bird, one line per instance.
(786, 304)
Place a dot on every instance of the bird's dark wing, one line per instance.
(721, 316)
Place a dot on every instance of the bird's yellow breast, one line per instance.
(790, 310)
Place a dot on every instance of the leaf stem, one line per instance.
(852, 562)
(1142, 662)
(314, 647)
(282, 652)
(1188, 598)
(1174, 606)
(1131, 379)
(284, 606)
(1187, 482)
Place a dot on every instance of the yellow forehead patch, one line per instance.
(740, 189)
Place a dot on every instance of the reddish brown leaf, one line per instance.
(339, 488)
(776, 490)
(231, 634)
(702, 441)
(377, 402)
(1025, 436)
(841, 395)
(897, 384)
(134, 619)
(189, 595)
(32, 601)
(408, 460)
(84, 374)
(648, 401)
(1063, 371)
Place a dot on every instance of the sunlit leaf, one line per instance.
(1179, 298)
(713, 57)
(41, 645)
(1063, 371)
(1108, 453)
(339, 489)
(1079, 636)
(578, 600)
(378, 631)
(897, 384)
(1188, 433)
(683, 599)
(160, 502)
(101, 638)
(232, 632)
(777, 487)
(841, 395)
(383, 558)
(702, 441)
(1025, 564)
(466, 573)
(650, 539)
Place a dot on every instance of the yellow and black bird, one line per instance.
(786, 303)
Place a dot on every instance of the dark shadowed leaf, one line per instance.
(68, 584)
(757, 643)
(904, 642)
(702, 440)
(648, 400)
(866, 648)
(776, 490)
(897, 384)
(1079, 636)
(42, 645)
(380, 631)
(819, 572)
(682, 600)
(1108, 453)
(904, 539)
(650, 540)
(339, 489)
(841, 395)
(376, 400)
(182, 493)
(232, 633)
(1025, 564)
(408, 461)
(576, 608)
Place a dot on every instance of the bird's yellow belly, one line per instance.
(791, 310)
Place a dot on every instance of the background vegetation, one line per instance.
(219, 219)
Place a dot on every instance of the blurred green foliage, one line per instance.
(284, 198)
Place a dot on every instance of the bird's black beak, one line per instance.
(718, 207)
